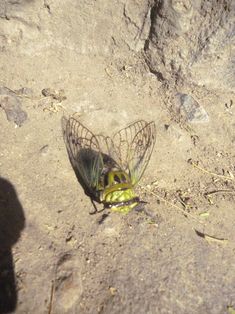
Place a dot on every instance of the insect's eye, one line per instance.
(123, 178)
(117, 179)
(106, 180)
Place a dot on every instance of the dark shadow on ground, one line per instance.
(12, 222)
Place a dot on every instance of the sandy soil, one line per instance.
(177, 257)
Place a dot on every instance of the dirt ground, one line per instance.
(178, 255)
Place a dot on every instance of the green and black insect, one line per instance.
(109, 168)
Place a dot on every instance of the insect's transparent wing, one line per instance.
(84, 153)
(106, 147)
(133, 147)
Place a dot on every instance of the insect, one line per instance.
(109, 168)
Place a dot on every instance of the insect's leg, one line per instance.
(100, 211)
(95, 208)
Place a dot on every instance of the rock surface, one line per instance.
(190, 109)
(193, 41)
(11, 104)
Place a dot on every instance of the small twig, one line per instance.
(51, 297)
(219, 191)
(173, 205)
(210, 238)
(211, 173)
(181, 200)
(107, 72)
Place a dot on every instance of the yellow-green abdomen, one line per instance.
(121, 201)
(118, 193)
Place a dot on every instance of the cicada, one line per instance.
(109, 168)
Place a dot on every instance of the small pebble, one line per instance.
(44, 150)
(58, 95)
(191, 109)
